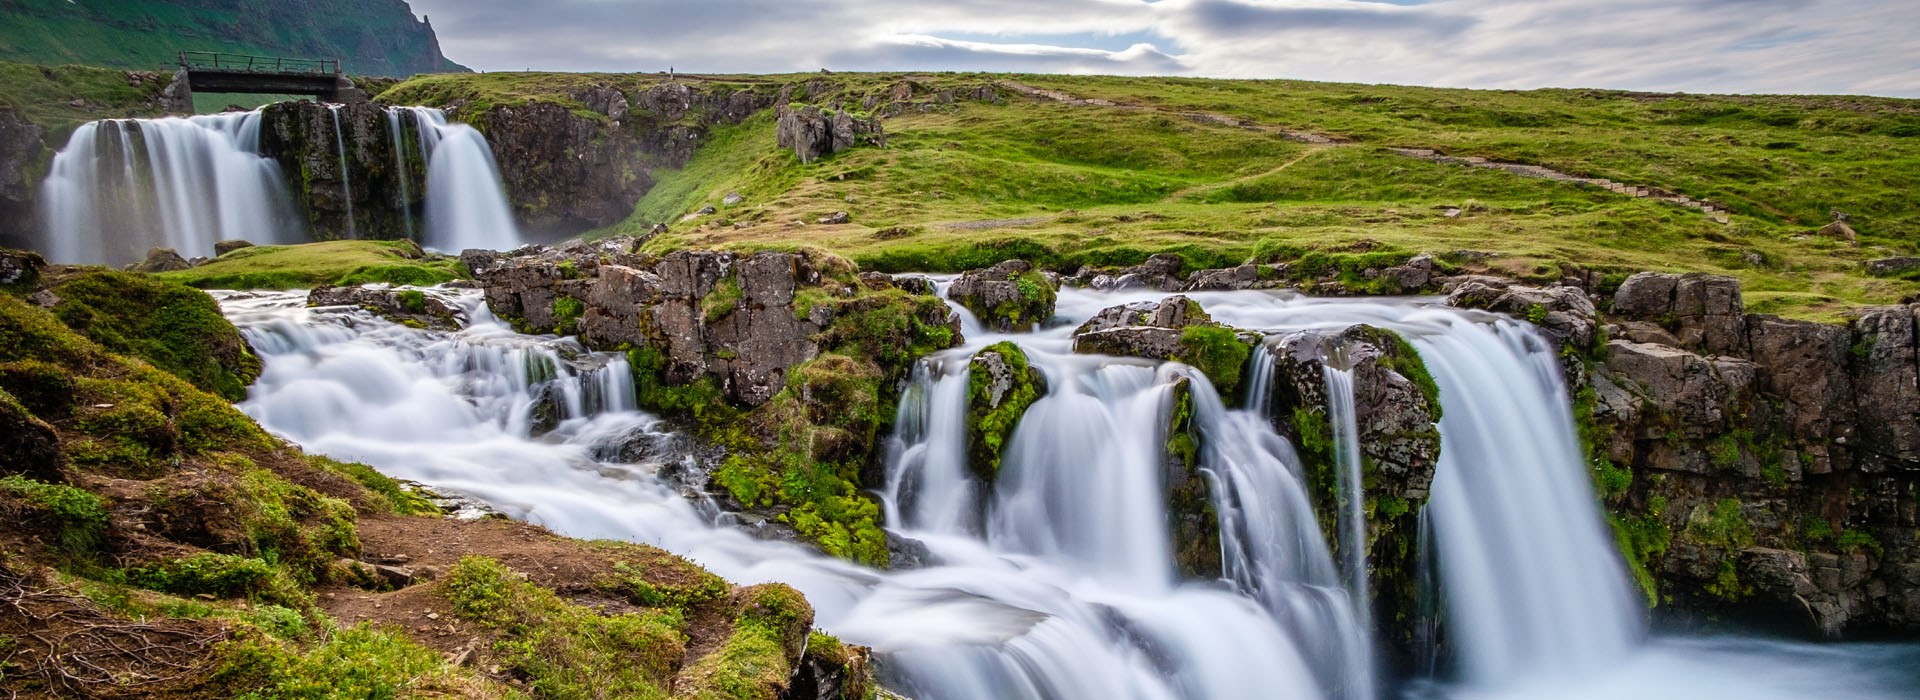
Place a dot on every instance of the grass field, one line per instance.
(1070, 184)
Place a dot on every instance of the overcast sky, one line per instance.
(1796, 46)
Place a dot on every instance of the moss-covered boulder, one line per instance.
(176, 328)
(28, 445)
(1010, 297)
(1396, 412)
(1001, 385)
(1175, 329)
(408, 307)
(1192, 519)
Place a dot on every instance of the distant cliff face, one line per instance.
(369, 37)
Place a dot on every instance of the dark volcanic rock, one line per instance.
(1703, 311)
(403, 306)
(20, 150)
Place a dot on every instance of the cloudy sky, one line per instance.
(1796, 46)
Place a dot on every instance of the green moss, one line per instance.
(1642, 540)
(413, 300)
(221, 575)
(770, 630)
(174, 327)
(566, 315)
(362, 661)
(1218, 352)
(1854, 541)
(1724, 527)
(724, 298)
(77, 518)
(385, 493)
(989, 426)
(564, 650)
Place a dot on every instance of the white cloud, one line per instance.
(1819, 46)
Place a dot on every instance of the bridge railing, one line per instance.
(240, 63)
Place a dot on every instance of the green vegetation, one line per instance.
(327, 262)
(380, 37)
(990, 424)
(220, 575)
(362, 661)
(1642, 541)
(385, 494)
(48, 95)
(566, 315)
(967, 185)
(78, 518)
(565, 650)
(1218, 352)
(176, 328)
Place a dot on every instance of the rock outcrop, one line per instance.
(1010, 297)
(20, 151)
(1396, 409)
(1001, 386)
(1175, 328)
(408, 307)
(814, 133)
(1760, 467)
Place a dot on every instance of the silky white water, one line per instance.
(466, 205)
(1027, 590)
(123, 186)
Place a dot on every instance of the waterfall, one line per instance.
(1351, 496)
(122, 186)
(1533, 583)
(397, 135)
(1056, 583)
(466, 205)
(346, 174)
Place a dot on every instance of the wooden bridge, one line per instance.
(202, 71)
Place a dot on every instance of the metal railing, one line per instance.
(238, 63)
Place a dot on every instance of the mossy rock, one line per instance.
(176, 328)
(1191, 516)
(1001, 386)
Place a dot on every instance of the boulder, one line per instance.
(1235, 278)
(814, 133)
(1563, 314)
(162, 260)
(1892, 267)
(1160, 272)
(1008, 297)
(1001, 386)
(20, 269)
(1705, 312)
(225, 247)
(410, 307)
(1175, 329)
(838, 217)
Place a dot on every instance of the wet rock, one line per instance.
(20, 269)
(1703, 311)
(162, 260)
(814, 133)
(409, 307)
(1001, 387)
(225, 247)
(1192, 520)
(1008, 297)
(1235, 278)
(1175, 312)
(1396, 412)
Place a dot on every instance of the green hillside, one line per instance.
(370, 37)
(1104, 170)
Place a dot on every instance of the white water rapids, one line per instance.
(1058, 582)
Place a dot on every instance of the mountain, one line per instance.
(369, 37)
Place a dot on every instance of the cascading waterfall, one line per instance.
(346, 173)
(466, 205)
(1056, 582)
(1351, 498)
(397, 135)
(123, 186)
